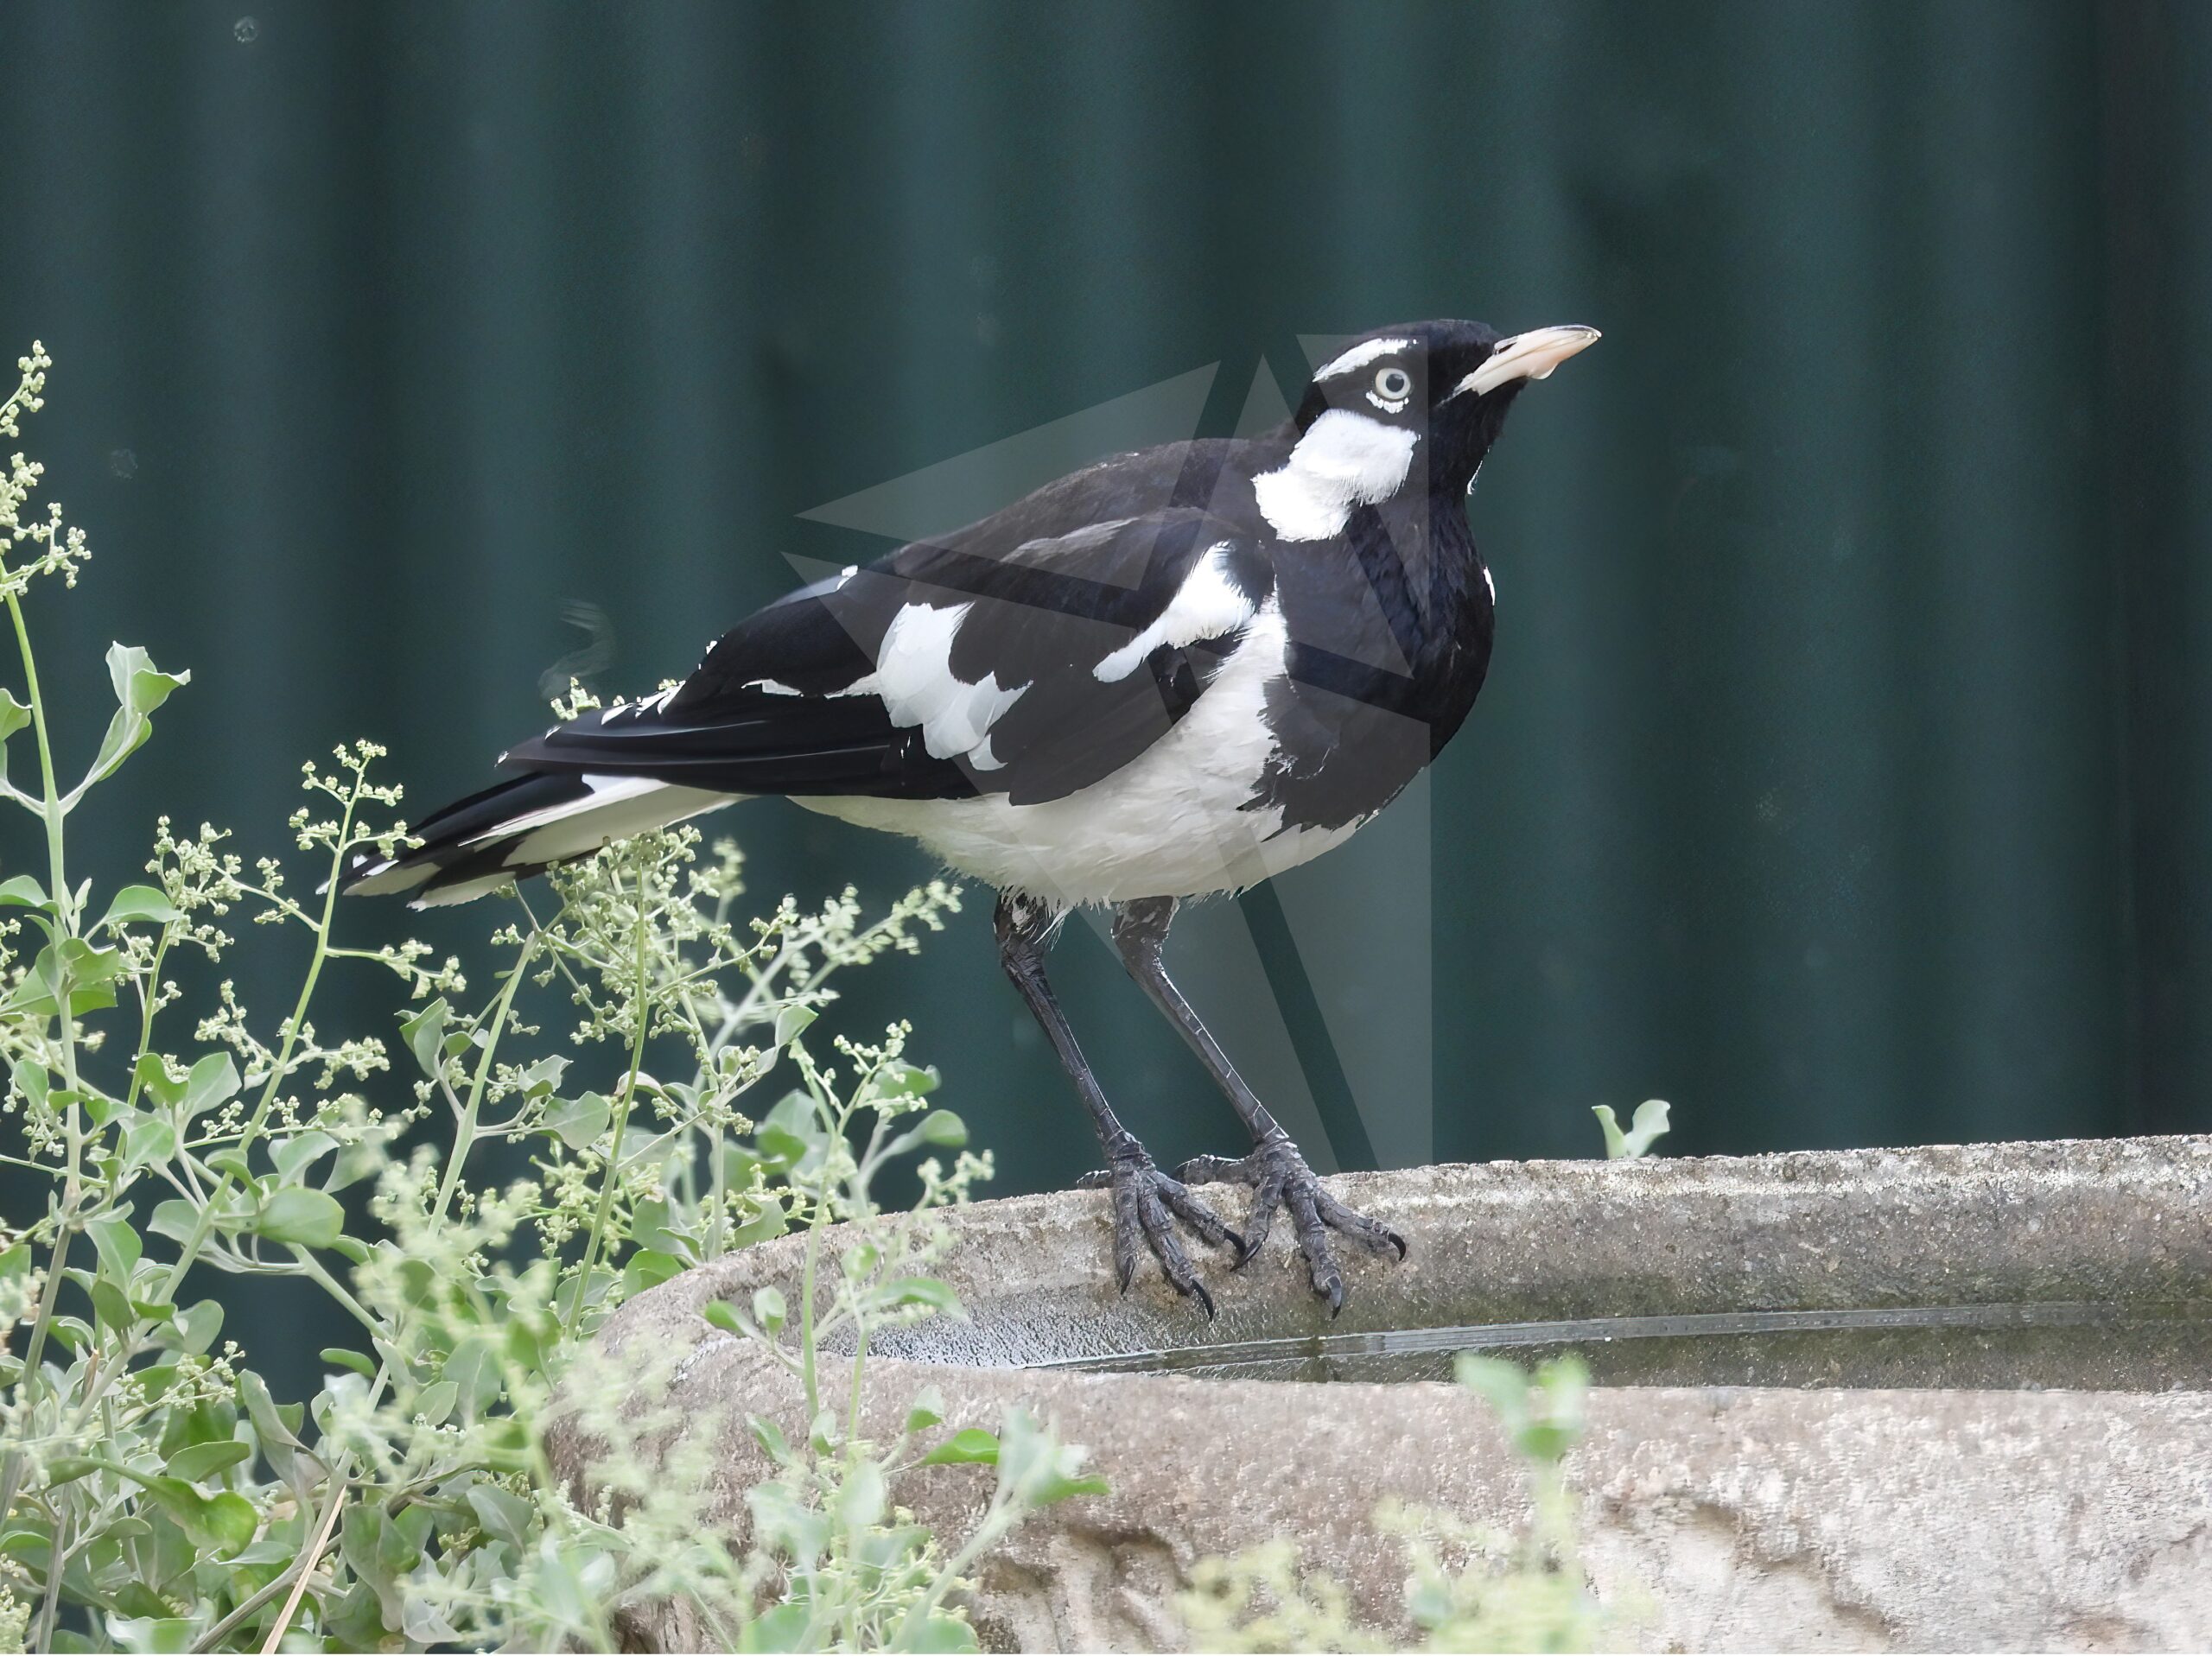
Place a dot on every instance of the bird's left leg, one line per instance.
(1276, 1171)
(1145, 1202)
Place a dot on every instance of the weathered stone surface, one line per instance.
(1742, 1519)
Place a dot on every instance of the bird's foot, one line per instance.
(1146, 1204)
(1280, 1179)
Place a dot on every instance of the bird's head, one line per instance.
(1445, 385)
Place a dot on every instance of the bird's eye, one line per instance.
(1394, 384)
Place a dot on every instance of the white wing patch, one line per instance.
(914, 676)
(1359, 356)
(1206, 605)
(605, 790)
(631, 709)
(1343, 461)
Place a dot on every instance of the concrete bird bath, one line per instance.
(1955, 1398)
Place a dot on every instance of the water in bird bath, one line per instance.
(2135, 1346)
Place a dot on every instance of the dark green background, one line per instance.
(1843, 774)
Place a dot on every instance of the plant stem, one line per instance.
(148, 1001)
(52, 813)
(465, 1133)
(280, 1068)
(305, 1568)
(807, 1333)
(998, 1518)
(64, 1212)
(641, 1015)
(50, 1606)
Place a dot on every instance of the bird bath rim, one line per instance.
(1985, 1240)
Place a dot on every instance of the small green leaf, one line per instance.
(140, 689)
(768, 1223)
(215, 1079)
(425, 1034)
(34, 1083)
(198, 1462)
(67, 1469)
(353, 1360)
(784, 1628)
(153, 1078)
(917, 1290)
(174, 1219)
(542, 1076)
(1056, 1486)
(973, 1446)
(792, 1022)
(1649, 1124)
(940, 1129)
(648, 1267)
(116, 1240)
(112, 1306)
(435, 1402)
(766, 1433)
(268, 1424)
(222, 1524)
(140, 903)
(13, 715)
(791, 1132)
(148, 1140)
(863, 1497)
(423, 1623)
(768, 1309)
(230, 1519)
(722, 1315)
(293, 1155)
(1501, 1385)
(579, 1121)
(502, 1515)
(233, 1160)
(941, 1635)
(944, 1129)
(928, 1409)
(309, 1218)
(23, 889)
(474, 1367)
(906, 1081)
(73, 966)
(155, 1636)
(194, 1328)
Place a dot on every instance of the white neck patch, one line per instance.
(1343, 461)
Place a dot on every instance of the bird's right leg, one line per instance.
(1144, 1197)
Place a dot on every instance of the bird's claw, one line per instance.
(1280, 1179)
(1146, 1204)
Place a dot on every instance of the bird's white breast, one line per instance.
(1171, 822)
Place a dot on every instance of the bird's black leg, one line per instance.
(1144, 1197)
(1276, 1171)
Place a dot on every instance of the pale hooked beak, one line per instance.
(1532, 355)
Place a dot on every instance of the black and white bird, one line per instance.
(1172, 674)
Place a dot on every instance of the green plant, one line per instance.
(155, 1495)
(1647, 1127)
(1469, 1587)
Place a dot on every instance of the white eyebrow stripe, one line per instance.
(1359, 356)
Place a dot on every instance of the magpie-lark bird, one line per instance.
(1169, 675)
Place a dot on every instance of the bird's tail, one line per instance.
(519, 827)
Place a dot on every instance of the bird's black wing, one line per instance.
(978, 665)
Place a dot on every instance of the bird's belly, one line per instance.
(1177, 821)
